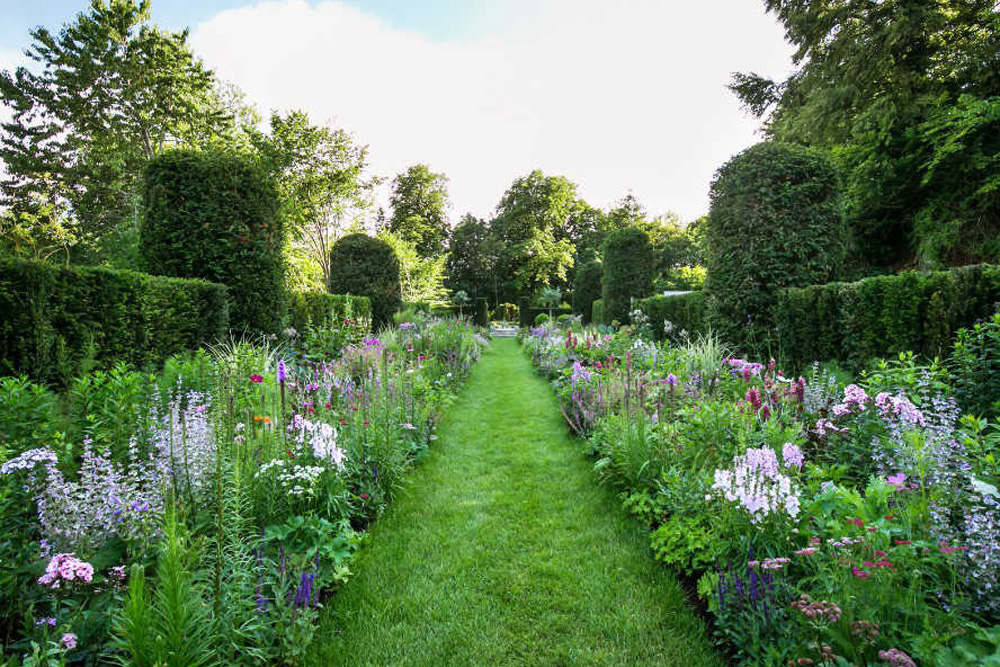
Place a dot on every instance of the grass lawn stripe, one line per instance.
(503, 549)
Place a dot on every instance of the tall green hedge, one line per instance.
(317, 307)
(364, 265)
(629, 265)
(56, 321)
(774, 222)
(684, 312)
(597, 311)
(214, 215)
(882, 316)
(482, 318)
(587, 288)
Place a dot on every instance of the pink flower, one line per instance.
(68, 641)
(256, 378)
(898, 480)
(66, 567)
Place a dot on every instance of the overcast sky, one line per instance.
(615, 95)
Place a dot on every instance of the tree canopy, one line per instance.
(101, 97)
(420, 205)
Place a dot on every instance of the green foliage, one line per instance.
(473, 256)
(366, 266)
(58, 321)
(213, 215)
(690, 544)
(587, 288)
(883, 316)
(628, 272)
(979, 648)
(975, 368)
(677, 316)
(316, 308)
(319, 174)
(907, 94)
(420, 278)
(482, 312)
(28, 414)
(597, 312)
(419, 203)
(774, 223)
(102, 96)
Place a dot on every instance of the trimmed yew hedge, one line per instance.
(686, 312)
(587, 288)
(883, 316)
(628, 272)
(318, 307)
(56, 321)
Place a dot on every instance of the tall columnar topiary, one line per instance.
(213, 215)
(587, 288)
(366, 266)
(774, 222)
(628, 272)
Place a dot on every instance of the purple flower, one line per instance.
(898, 480)
(672, 380)
(48, 620)
(792, 456)
(282, 373)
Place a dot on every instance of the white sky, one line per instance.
(615, 95)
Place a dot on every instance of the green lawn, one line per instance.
(503, 549)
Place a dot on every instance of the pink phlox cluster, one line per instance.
(855, 400)
(824, 426)
(823, 611)
(757, 485)
(742, 367)
(68, 641)
(66, 568)
(899, 409)
(896, 658)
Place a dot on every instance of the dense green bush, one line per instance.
(975, 366)
(213, 215)
(587, 288)
(482, 312)
(684, 312)
(629, 265)
(319, 308)
(56, 322)
(361, 264)
(774, 222)
(884, 315)
(597, 311)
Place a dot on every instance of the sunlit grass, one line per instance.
(504, 550)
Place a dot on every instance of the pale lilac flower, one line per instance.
(757, 485)
(792, 456)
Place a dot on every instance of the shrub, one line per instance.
(975, 367)
(213, 215)
(883, 316)
(506, 312)
(482, 313)
(597, 311)
(361, 264)
(56, 322)
(628, 272)
(671, 315)
(587, 288)
(320, 308)
(774, 222)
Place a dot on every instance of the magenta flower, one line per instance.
(898, 480)
(256, 378)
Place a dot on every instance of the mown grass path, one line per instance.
(503, 549)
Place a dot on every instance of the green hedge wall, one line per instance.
(686, 312)
(318, 307)
(57, 321)
(214, 215)
(882, 316)
(482, 313)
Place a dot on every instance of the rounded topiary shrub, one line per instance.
(774, 222)
(628, 272)
(366, 266)
(214, 215)
(587, 288)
